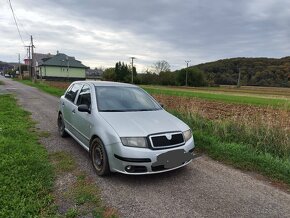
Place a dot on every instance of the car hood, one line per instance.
(143, 123)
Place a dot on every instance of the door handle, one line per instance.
(74, 110)
(62, 104)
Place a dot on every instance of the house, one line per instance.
(96, 74)
(59, 67)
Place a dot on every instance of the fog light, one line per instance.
(128, 168)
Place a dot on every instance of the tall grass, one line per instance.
(254, 148)
(249, 140)
(255, 133)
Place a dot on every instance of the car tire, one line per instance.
(61, 126)
(99, 157)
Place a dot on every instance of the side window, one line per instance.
(85, 96)
(72, 92)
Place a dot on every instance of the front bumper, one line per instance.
(146, 161)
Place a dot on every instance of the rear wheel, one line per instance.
(61, 126)
(99, 157)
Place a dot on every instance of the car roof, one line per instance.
(105, 83)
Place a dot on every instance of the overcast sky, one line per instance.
(100, 33)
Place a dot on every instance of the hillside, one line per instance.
(254, 71)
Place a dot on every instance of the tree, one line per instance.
(161, 66)
(195, 77)
(109, 74)
(168, 78)
(122, 72)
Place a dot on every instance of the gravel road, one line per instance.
(205, 188)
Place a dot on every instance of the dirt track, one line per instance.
(205, 188)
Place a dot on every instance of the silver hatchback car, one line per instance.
(123, 128)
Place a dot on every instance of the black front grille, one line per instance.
(162, 141)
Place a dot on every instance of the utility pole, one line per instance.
(132, 69)
(32, 60)
(186, 72)
(29, 68)
(239, 78)
(19, 66)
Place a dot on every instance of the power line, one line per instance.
(16, 22)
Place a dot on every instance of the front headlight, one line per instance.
(139, 142)
(187, 135)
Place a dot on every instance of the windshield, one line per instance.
(121, 99)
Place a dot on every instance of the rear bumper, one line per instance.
(146, 161)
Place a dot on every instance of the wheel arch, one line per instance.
(91, 140)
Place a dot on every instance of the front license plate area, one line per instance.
(172, 159)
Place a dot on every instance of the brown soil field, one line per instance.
(222, 111)
(61, 85)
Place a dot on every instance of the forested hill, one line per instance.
(254, 71)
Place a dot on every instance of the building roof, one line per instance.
(94, 73)
(38, 58)
(62, 60)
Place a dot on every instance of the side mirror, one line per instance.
(84, 108)
(162, 105)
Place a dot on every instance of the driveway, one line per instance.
(205, 188)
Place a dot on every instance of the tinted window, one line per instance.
(115, 98)
(84, 96)
(72, 92)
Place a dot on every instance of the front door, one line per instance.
(83, 120)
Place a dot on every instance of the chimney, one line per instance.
(57, 52)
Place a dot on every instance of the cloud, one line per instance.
(103, 32)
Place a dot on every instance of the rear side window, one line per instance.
(72, 92)
(85, 96)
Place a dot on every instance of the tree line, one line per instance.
(160, 74)
(253, 72)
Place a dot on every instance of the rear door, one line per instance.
(83, 121)
(69, 106)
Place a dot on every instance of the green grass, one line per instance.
(228, 98)
(26, 176)
(44, 87)
(235, 146)
(1, 82)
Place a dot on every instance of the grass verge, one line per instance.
(232, 145)
(248, 100)
(44, 87)
(26, 176)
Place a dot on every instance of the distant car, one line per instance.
(7, 75)
(124, 129)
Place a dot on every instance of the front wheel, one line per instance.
(99, 157)
(61, 126)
